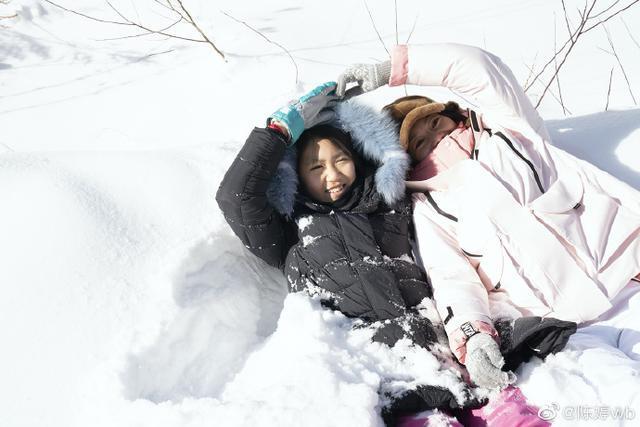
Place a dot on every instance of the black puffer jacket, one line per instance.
(358, 256)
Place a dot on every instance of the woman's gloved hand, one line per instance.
(311, 109)
(368, 76)
(484, 362)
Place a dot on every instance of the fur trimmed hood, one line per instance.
(374, 136)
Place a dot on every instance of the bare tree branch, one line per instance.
(93, 18)
(125, 19)
(375, 28)
(152, 31)
(413, 27)
(611, 16)
(11, 16)
(163, 4)
(395, 3)
(586, 24)
(168, 27)
(585, 15)
(584, 11)
(564, 110)
(629, 32)
(611, 6)
(135, 9)
(146, 30)
(559, 66)
(197, 27)
(553, 95)
(530, 70)
(606, 107)
(608, 52)
(619, 63)
(573, 38)
(173, 9)
(267, 39)
(566, 20)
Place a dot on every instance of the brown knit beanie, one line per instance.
(406, 112)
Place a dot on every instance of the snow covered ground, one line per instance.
(126, 301)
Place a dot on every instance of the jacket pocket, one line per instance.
(592, 224)
(563, 196)
(560, 209)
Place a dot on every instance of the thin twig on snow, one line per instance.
(148, 31)
(564, 110)
(629, 32)
(604, 27)
(606, 107)
(268, 40)
(375, 28)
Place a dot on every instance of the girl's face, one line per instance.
(326, 170)
(427, 133)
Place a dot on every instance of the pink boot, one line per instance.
(509, 409)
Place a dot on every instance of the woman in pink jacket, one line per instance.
(507, 225)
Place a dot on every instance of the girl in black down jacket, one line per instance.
(344, 233)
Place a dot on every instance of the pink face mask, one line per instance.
(456, 146)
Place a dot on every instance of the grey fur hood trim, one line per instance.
(374, 135)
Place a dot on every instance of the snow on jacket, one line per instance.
(521, 221)
(359, 260)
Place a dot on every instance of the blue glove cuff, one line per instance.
(292, 119)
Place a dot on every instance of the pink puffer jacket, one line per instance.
(526, 228)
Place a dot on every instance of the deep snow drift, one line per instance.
(127, 301)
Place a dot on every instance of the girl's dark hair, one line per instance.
(319, 132)
(452, 110)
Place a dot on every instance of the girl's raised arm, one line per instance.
(475, 74)
(242, 197)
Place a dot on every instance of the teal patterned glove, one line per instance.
(311, 109)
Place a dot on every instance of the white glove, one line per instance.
(484, 362)
(368, 76)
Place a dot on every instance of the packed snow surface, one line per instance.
(127, 301)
